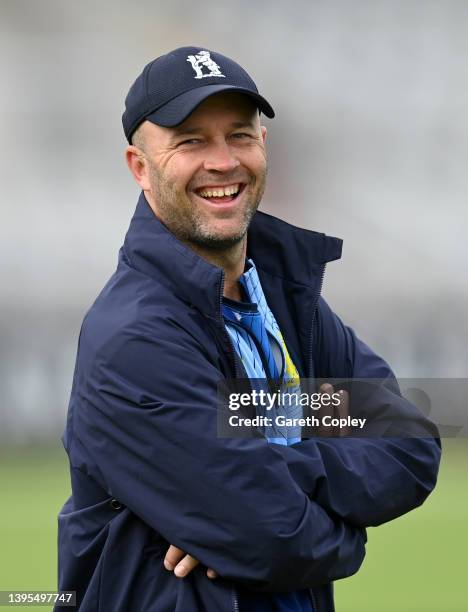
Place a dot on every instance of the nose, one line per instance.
(220, 158)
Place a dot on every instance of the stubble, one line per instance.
(188, 223)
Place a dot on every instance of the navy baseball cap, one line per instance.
(173, 85)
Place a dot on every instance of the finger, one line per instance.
(185, 566)
(326, 409)
(173, 556)
(211, 573)
(342, 412)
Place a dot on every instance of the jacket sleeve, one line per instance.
(142, 423)
(365, 481)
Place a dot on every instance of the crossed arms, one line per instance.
(274, 518)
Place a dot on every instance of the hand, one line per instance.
(182, 564)
(341, 411)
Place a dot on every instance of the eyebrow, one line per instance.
(242, 124)
(194, 130)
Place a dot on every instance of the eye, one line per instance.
(190, 141)
(241, 135)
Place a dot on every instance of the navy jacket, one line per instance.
(147, 468)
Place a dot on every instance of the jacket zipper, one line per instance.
(237, 373)
(314, 601)
(314, 311)
(309, 372)
(235, 601)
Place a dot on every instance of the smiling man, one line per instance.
(165, 515)
(204, 178)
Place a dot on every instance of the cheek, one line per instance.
(258, 169)
(257, 159)
(181, 171)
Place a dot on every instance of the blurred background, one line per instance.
(370, 144)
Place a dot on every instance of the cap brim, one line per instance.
(177, 110)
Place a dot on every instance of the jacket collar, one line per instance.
(277, 248)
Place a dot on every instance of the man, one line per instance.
(165, 515)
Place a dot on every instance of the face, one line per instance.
(205, 178)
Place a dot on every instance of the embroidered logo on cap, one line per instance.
(201, 62)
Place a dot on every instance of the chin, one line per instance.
(219, 241)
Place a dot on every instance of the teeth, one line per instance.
(220, 191)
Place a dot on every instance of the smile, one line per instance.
(219, 194)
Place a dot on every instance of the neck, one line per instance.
(232, 261)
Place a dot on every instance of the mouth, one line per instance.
(220, 195)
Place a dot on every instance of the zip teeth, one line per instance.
(219, 192)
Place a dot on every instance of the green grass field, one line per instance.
(416, 563)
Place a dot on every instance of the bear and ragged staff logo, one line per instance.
(202, 62)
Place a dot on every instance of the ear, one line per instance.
(264, 133)
(137, 165)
